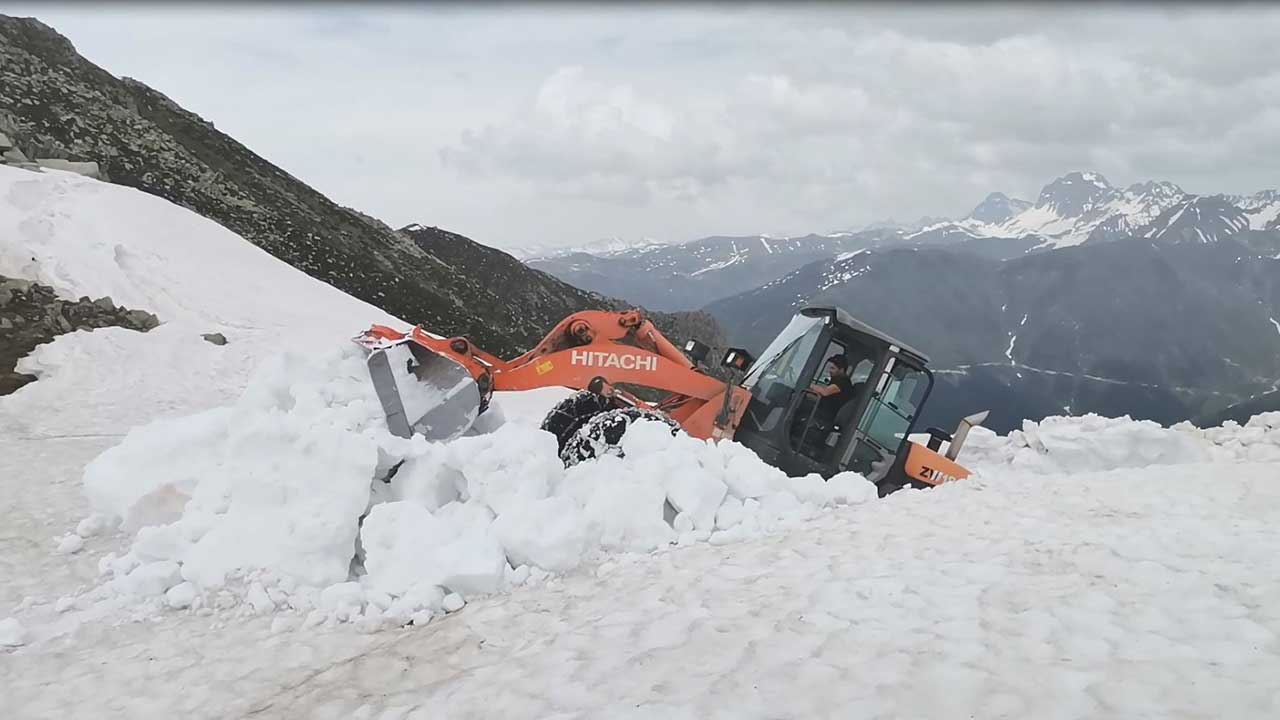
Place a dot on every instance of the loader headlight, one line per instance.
(737, 359)
(697, 351)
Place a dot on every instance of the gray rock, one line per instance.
(215, 338)
(15, 284)
(141, 319)
(6, 324)
(105, 303)
(14, 156)
(88, 169)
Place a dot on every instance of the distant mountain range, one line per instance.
(1146, 300)
(1083, 207)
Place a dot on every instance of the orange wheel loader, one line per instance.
(437, 387)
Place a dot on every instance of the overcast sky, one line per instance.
(547, 125)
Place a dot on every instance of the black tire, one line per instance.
(572, 413)
(603, 433)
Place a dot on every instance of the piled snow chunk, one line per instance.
(1258, 440)
(149, 580)
(69, 543)
(278, 481)
(406, 545)
(1086, 443)
(128, 484)
(180, 596)
(297, 498)
(12, 634)
(548, 533)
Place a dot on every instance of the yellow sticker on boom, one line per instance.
(543, 367)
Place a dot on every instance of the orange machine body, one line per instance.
(931, 467)
(621, 347)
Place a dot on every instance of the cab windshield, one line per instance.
(784, 359)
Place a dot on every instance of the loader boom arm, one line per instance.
(621, 347)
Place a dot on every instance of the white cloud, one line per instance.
(552, 124)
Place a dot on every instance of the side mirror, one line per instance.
(697, 352)
(737, 359)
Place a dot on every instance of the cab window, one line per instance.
(775, 380)
(887, 419)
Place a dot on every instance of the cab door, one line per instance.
(888, 417)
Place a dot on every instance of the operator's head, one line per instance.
(838, 366)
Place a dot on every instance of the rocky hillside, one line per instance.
(55, 103)
(33, 314)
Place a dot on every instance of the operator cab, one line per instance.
(797, 422)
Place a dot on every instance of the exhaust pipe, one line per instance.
(962, 432)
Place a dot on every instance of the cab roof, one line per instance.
(861, 328)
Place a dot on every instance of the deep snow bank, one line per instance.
(277, 501)
(1092, 443)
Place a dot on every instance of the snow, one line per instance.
(733, 260)
(12, 634)
(1113, 593)
(69, 543)
(86, 237)
(1276, 323)
(275, 491)
(1263, 216)
(1131, 208)
(241, 558)
(1066, 445)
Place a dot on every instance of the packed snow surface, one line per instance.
(233, 499)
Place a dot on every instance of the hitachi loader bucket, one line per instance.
(421, 391)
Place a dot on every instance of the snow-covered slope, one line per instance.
(86, 237)
(1200, 219)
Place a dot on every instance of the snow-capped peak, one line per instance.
(1082, 206)
(1155, 188)
(998, 208)
(1075, 194)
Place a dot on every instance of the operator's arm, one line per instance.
(825, 390)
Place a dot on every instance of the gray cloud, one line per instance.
(563, 124)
